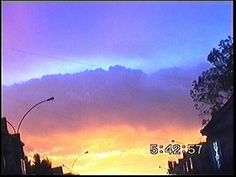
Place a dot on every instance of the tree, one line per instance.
(37, 159)
(41, 167)
(46, 162)
(27, 165)
(215, 86)
(45, 166)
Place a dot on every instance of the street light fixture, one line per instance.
(77, 159)
(49, 99)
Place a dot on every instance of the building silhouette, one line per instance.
(216, 155)
(13, 157)
(57, 170)
(12, 154)
(219, 132)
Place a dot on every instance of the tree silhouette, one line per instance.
(39, 167)
(215, 86)
(27, 165)
(45, 166)
(37, 159)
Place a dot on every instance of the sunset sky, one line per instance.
(120, 73)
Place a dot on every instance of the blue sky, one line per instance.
(104, 111)
(42, 38)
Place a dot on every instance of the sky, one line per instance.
(66, 37)
(117, 71)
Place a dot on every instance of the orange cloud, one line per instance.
(114, 114)
(113, 149)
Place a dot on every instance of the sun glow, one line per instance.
(112, 149)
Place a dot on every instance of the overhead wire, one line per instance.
(49, 56)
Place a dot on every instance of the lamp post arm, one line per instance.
(77, 159)
(18, 128)
(12, 127)
(68, 168)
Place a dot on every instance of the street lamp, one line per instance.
(77, 158)
(70, 171)
(49, 99)
(11, 126)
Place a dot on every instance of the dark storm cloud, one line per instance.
(99, 97)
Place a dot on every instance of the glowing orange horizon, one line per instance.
(113, 149)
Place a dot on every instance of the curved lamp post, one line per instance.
(77, 159)
(70, 171)
(11, 126)
(49, 99)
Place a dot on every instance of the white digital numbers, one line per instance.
(175, 149)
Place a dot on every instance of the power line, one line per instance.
(27, 147)
(48, 56)
(30, 149)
